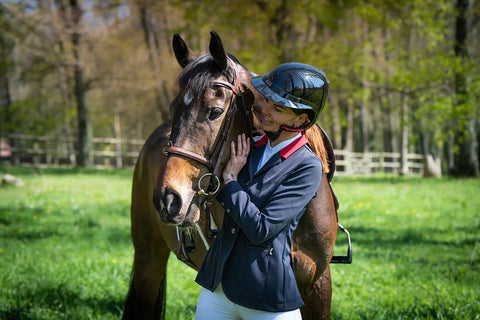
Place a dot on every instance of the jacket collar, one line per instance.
(288, 150)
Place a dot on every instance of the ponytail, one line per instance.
(315, 141)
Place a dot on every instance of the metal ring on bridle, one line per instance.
(200, 189)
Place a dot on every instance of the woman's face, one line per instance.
(273, 116)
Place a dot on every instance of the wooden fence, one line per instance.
(44, 152)
(108, 153)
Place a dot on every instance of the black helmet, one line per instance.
(296, 86)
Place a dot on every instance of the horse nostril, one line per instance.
(173, 202)
(157, 201)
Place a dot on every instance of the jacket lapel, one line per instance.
(274, 160)
(259, 148)
(255, 156)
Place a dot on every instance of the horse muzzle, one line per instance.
(168, 204)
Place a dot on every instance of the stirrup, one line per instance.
(348, 258)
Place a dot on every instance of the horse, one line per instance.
(176, 177)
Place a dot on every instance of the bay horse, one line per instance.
(176, 177)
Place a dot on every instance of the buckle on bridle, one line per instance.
(201, 191)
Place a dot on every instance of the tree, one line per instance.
(71, 15)
(466, 161)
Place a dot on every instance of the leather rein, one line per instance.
(185, 242)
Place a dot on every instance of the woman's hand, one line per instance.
(238, 158)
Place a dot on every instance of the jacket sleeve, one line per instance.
(286, 202)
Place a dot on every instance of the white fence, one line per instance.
(107, 153)
(356, 163)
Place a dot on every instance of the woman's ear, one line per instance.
(301, 120)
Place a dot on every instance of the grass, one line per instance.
(66, 253)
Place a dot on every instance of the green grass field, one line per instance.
(66, 253)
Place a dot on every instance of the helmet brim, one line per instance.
(269, 92)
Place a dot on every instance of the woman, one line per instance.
(248, 271)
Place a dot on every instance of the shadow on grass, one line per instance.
(375, 237)
(19, 224)
(417, 246)
(451, 309)
(61, 300)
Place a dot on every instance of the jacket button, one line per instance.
(222, 203)
(232, 231)
(227, 211)
(247, 183)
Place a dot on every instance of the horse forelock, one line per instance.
(199, 75)
(194, 80)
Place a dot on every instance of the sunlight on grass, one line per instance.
(66, 252)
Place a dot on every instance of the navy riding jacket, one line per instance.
(251, 256)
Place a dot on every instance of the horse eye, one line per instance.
(214, 113)
(219, 92)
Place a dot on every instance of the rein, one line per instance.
(212, 163)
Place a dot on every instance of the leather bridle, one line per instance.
(212, 163)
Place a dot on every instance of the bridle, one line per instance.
(212, 163)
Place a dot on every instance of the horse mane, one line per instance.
(315, 141)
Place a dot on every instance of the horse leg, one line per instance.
(318, 303)
(314, 285)
(147, 294)
(133, 307)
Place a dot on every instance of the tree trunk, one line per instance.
(404, 118)
(6, 48)
(162, 98)
(466, 161)
(404, 135)
(450, 146)
(337, 127)
(284, 34)
(350, 126)
(84, 143)
(118, 136)
(5, 103)
(364, 119)
(387, 117)
(5, 113)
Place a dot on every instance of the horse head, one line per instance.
(212, 107)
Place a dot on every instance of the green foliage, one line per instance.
(375, 53)
(66, 253)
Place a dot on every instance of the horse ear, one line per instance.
(217, 51)
(247, 98)
(183, 54)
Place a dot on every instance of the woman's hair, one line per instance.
(315, 141)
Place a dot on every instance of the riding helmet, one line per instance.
(296, 86)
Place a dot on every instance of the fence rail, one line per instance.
(108, 153)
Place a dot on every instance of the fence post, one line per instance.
(48, 155)
(118, 151)
(36, 154)
(16, 150)
(72, 153)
